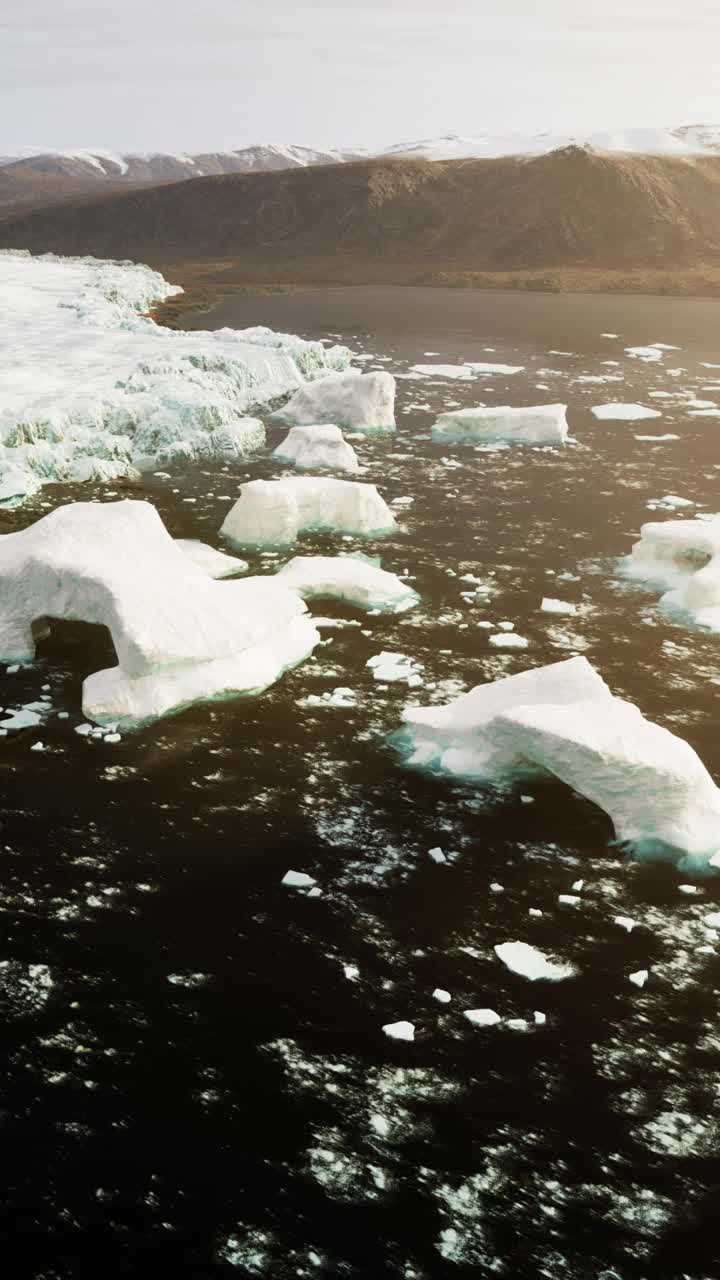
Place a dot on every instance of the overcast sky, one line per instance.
(206, 74)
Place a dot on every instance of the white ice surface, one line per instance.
(273, 513)
(179, 636)
(359, 401)
(92, 388)
(319, 448)
(538, 424)
(350, 579)
(562, 721)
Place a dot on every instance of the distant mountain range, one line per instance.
(156, 167)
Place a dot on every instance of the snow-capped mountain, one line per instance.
(686, 140)
(158, 166)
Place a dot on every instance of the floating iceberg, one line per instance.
(91, 388)
(682, 558)
(362, 401)
(538, 424)
(179, 636)
(562, 721)
(317, 449)
(349, 579)
(272, 513)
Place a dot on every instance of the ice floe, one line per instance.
(537, 424)
(562, 721)
(273, 513)
(318, 448)
(359, 401)
(92, 388)
(620, 412)
(179, 636)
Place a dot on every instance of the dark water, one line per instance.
(198, 1084)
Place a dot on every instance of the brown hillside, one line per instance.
(572, 208)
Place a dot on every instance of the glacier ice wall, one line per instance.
(92, 388)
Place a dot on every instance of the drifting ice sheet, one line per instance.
(681, 557)
(562, 721)
(179, 636)
(362, 401)
(272, 513)
(317, 449)
(538, 424)
(93, 389)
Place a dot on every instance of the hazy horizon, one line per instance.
(173, 78)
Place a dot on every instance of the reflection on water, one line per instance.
(196, 1075)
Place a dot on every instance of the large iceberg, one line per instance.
(91, 388)
(682, 559)
(362, 401)
(537, 424)
(179, 635)
(272, 513)
(562, 721)
(350, 579)
(317, 449)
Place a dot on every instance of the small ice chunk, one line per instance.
(639, 978)
(528, 962)
(22, 719)
(298, 880)
(482, 1017)
(625, 922)
(618, 411)
(437, 855)
(443, 997)
(399, 1030)
(508, 640)
(569, 899)
(558, 606)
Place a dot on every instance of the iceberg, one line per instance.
(179, 635)
(317, 449)
(538, 424)
(349, 579)
(91, 388)
(273, 513)
(561, 721)
(361, 401)
(682, 559)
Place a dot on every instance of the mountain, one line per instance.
(157, 166)
(398, 219)
(686, 140)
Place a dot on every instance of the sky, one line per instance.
(198, 75)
